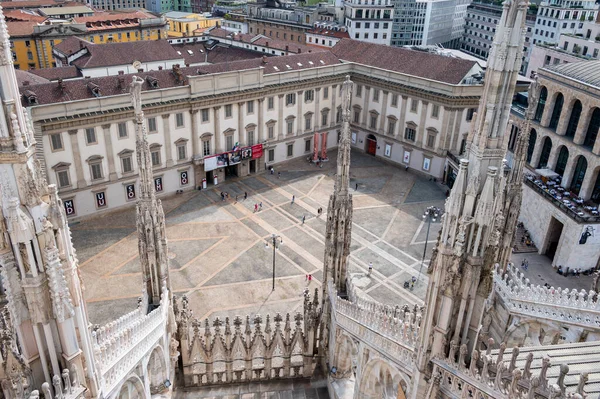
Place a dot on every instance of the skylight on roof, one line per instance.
(299, 64)
(179, 52)
(190, 52)
(288, 67)
(322, 62)
(275, 68)
(311, 63)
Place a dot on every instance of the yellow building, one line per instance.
(183, 24)
(32, 37)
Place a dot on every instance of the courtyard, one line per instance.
(217, 248)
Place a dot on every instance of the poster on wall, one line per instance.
(257, 151)
(101, 199)
(234, 157)
(246, 153)
(388, 150)
(130, 191)
(210, 163)
(69, 207)
(353, 137)
(426, 163)
(158, 185)
(590, 234)
(222, 160)
(406, 158)
(183, 178)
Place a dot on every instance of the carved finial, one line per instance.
(513, 359)
(278, 319)
(564, 370)
(583, 379)
(298, 319)
(527, 368)
(237, 322)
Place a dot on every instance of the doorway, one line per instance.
(554, 233)
(252, 166)
(371, 144)
(210, 177)
(231, 171)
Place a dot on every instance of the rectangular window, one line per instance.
(290, 99)
(309, 95)
(373, 122)
(90, 135)
(206, 147)
(250, 107)
(271, 155)
(290, 150)
(152, 125)
(325, 93)
(431, 140)
(126, 164)
(181, 152)
(96, 169)
(376, 95)
(122, 130)
(307, 122)
(410, 134)
(470, 113)
(228, 111)
(391, 127)
(414, 103)
(63, 178)
(229, 142)
(290, 126)
(324, 118)
(205, 115)
(394, 100)
(56, 142)
(338, 116)
(356, 116)
(155, 157)
(271, 103)
(179, 119)
(358, 90)
(307, 147)
(250, 137)
(435, 111)
(271, 131)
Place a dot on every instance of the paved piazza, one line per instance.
(217, 248)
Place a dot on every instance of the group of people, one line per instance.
(575, 272)
(525, 264)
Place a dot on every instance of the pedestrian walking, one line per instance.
(245, 195)
(222, 196)
(370, 268)
(279, 175)
(260, 206)
(356, 187)
(272, 170)
(293, 198)
(255, 208)
(303, 218)
(236, 198)
(309, 278)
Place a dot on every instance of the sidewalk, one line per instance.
(540, 271)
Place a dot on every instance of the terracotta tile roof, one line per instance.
(22, 28)
(329, 33)
(104, 16)
(410, 62)
(7, 5)
(260, 40)
(22, 15)
(68, 72)
(112, 54)
(78, 89)
(217, 55)
(28, 78)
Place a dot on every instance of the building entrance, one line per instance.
(231, 171)
(252, 166)
(554, 234)
(371, 144)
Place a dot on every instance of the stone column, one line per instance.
(167, 136)
(383, 121)
(565, 115)
(444, 139)
(332, 120)
(261, 118)
(458, 134)
(548, 108)
(420, 139)
(568, 175)
(402, 120)
(280, 118)
(553, 156)
(588, 183)
(365, 114)
(110, 156)
(195, 134)
(537, 151)
(77, 159)
(241, 129)
(584, 122)
(217, 128)
(596, 149)
(300, 117)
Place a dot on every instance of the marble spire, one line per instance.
(150, 218)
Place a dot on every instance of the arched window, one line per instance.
(596, 191)
(546, 148)
(574, 119)
(541, 104)
(561, 163)
(578, 174)
(592, 130)
(558, 104)
(531, 145)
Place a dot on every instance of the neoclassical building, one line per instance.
(563, 138)
(233, 119)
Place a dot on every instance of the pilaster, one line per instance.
(299, 115)
(548, 108)
(77, 158)
(168, 143)
(280, 118)
(365, 114)
(110, 156)
(553, 157)
(333, 119)
(261, 118)
(420, 139)
(584, 122)
(568, 175)
(217, 128)
(195, 134)
(588, 184)
(383, 116)
(565, 115)
(537, 151)
(402, 120)
(318, 109)
(241, 129)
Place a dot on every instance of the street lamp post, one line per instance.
(275, 241)
(430, 215)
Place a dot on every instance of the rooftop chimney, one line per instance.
(287, 49)
(140, 70)
(267, 44)
(160, 67)
(25, 83)
(264, 59)
(299, 50)
(121, 72)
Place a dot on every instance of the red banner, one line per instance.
(257, 151)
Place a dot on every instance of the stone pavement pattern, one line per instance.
(217, 248)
